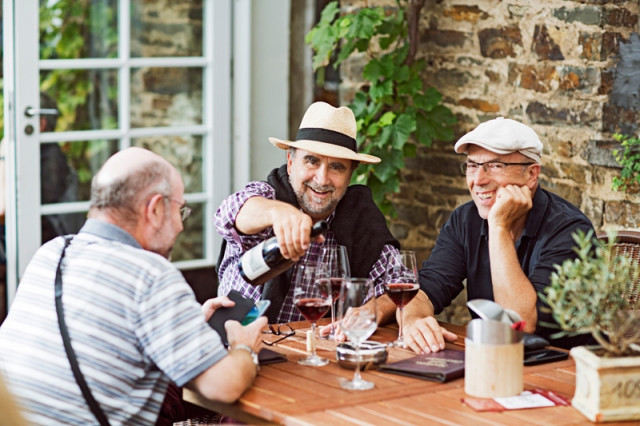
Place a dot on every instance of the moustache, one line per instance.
(320, 188)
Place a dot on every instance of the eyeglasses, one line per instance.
(494, 167)
(185, 211)
(283, 330)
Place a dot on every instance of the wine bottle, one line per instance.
(264, 261)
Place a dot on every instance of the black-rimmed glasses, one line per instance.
(282, 330)
(470, 168)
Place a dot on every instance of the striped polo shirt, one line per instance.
(134, 324)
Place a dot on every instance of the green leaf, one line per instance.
(428, 100)
(404, 126)
(372, 71)
(387, 118)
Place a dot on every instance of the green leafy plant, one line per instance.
(595, 293)
(629, 158)
(394, 109)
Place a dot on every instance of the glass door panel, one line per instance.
(71, 29)
(166, 28)
(115, 73)
(166, 97)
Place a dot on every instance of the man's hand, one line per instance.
(425, 335)
(512, 202)
(210, 306)
(291, 227)
(250, 334)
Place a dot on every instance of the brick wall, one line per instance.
(566, 68)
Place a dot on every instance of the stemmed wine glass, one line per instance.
(401, 284)
(357, 313)
(336, 260)
(312, 297)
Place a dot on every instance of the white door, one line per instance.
(118, 73)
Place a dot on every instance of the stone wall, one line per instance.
(566, 68)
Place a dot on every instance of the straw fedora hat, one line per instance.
(329, 131)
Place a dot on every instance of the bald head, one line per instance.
(127, 179)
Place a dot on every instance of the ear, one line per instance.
(532, 178)
(154, 211)
(289, 162)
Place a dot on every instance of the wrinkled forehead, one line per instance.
(302, 154)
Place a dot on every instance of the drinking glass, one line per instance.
(336, 260)
(357, 313)
(401, 285)
(312, 297)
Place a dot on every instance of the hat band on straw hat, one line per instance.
(328, 136)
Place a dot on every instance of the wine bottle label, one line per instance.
(253, 264)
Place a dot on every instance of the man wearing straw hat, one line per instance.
(313, 185)
(506, 241)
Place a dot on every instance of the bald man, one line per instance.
(133, 321)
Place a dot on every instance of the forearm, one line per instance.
(254, 216)
(419, 307)
(511, 287)
(386, 309)
(238, 371)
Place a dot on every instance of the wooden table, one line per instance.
(289, 393)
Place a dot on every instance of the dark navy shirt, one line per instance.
(462, 251)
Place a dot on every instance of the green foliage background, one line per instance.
(394, 109)
(629, 158)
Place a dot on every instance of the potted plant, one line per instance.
(597, 293)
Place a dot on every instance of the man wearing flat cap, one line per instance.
(505, 242)
(313, 185)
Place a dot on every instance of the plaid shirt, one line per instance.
(237, 244)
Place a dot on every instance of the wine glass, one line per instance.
(312, 297)
(336, 260)
(401, 284)
(357, 313)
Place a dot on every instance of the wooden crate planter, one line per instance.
(607, 389)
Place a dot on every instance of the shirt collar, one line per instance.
(109, 231)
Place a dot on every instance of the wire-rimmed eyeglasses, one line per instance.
(470, 168)
(282, 330)
(185, 211)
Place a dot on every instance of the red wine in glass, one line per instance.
(336, 285)
(312, 308)
(402, 285)
(402, 293)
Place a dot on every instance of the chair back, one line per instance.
(627, 244)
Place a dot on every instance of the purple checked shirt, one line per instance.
(237, 244)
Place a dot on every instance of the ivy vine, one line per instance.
(395, 110)
(629, 158)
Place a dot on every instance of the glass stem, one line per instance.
(356, 374)
(333, 318)
(313, 339)
(400, 321)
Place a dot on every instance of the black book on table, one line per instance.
(440, 366)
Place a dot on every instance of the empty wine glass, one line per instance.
(336, 260)
(312, 297)
(357, 313)
(401, 285)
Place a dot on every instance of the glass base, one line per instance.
(397, 344)
(313, 361)
(357, 384)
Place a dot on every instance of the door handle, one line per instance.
(30, 111)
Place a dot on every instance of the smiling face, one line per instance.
(319, 182)
(483, 186)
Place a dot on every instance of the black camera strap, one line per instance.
(86, 392)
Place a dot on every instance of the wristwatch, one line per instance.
(254, 356)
